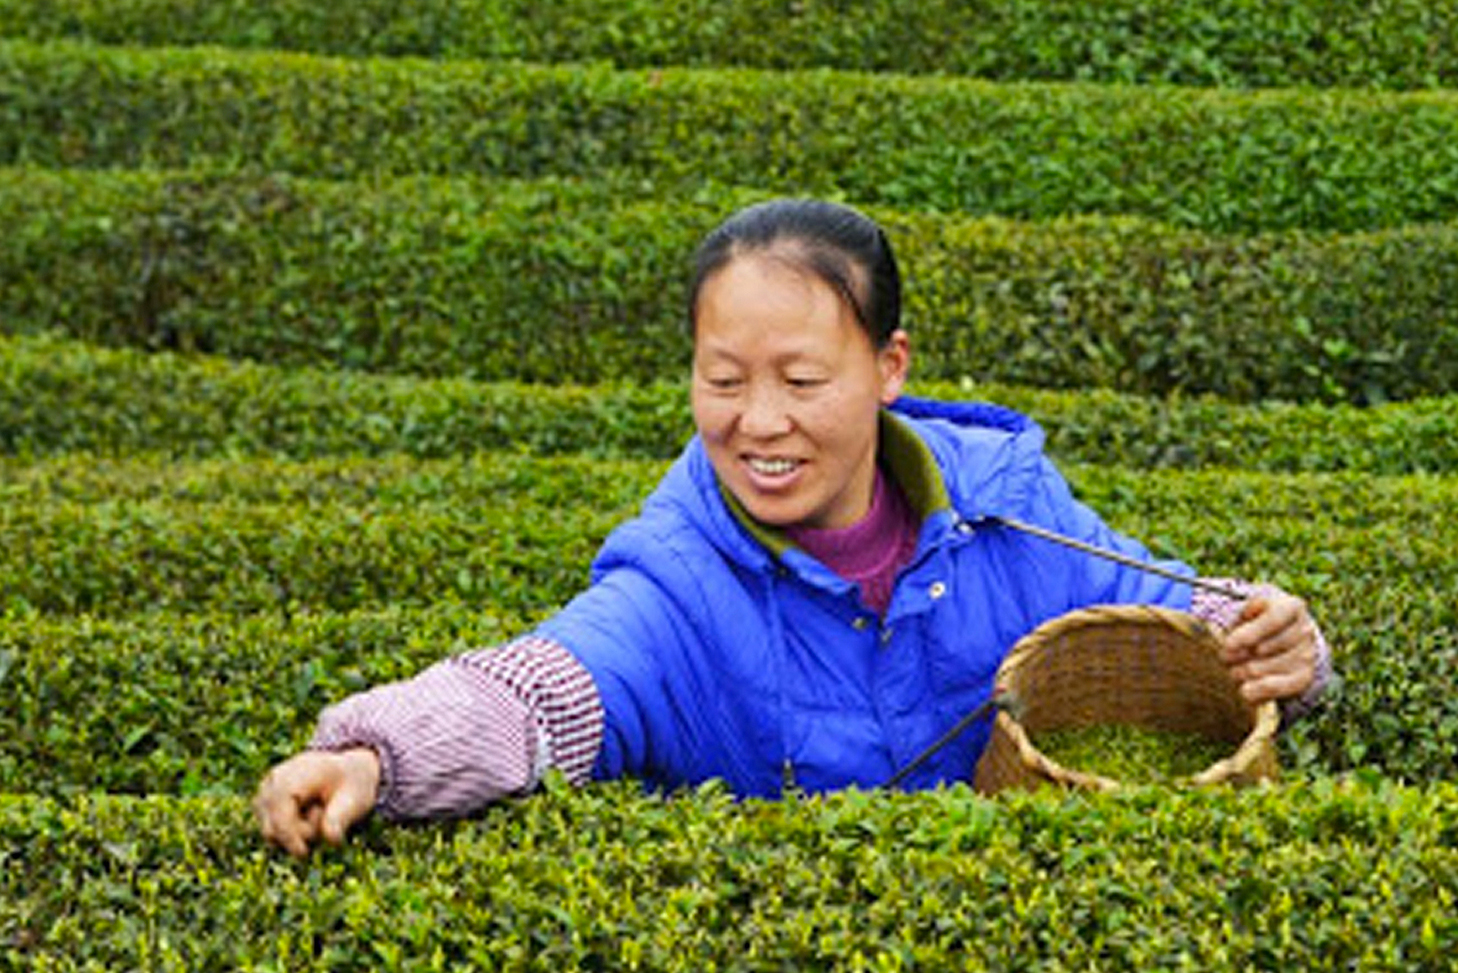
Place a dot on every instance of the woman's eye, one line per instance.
(805, 382)
(723, 383)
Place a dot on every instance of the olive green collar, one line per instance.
(906, 459)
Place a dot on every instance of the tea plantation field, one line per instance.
(335, 337)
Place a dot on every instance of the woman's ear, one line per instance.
(894, 361)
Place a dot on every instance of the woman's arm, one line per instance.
(467, 731)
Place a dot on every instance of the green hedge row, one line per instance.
(517, 532)
(1332, 876)
(256, 537)
(1229, 43)
(1222, 160)
(192, 704)
(584, 282)
(550, 281)
(277, 547)
(60, 396)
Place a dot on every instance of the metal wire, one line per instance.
(1124, 559)
(994, 701)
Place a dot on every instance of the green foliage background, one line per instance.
(335, 337)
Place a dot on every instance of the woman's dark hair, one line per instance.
(836, 243)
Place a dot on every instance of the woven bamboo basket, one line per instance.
(1137, 665)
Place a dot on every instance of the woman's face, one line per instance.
(786, 391)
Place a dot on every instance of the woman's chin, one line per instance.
(773, 510)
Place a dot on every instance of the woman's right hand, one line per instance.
(316, 794)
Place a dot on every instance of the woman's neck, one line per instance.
(871, 551)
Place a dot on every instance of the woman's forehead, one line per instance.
(769, 312)
(769, 282)
(766, 275)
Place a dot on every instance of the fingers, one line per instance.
(291, 799)
(1269, 625)
(1288, 673)
(355, 797)
(286, 816)
(1272, 651)
(1281, 684)
(316, 795)
(343, 811)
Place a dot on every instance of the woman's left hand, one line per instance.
(1272, 650)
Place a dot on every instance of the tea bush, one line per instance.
(199, 552)
(1203, 158)
(187, 704)
(58, 396)
(1326, 877)
(583, 281)
(248, 537)
(1229, 43)
(509, 532)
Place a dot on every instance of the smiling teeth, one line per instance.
(772, 467)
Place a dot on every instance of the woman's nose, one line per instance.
(765, 413)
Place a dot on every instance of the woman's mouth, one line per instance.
(764, 466)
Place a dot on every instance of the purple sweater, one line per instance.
(489, 723)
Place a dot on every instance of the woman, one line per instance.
(815, 592)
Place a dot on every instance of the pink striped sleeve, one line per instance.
(472, 729)
(559, 692)
(1223, 612)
